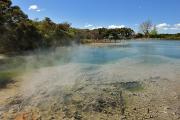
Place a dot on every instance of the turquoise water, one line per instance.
(131, 61)
(128, 61)
(145, 52)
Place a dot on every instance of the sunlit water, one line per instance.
(134, 54)
(58, 73)
(147, 51)
(127, 61)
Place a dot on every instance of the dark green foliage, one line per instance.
(16, 30)
(160, 36)
(19, 34)
(55, 34)
(23, 37)
(104, 33)
(139, 35)
(120, 33)
(168, 36)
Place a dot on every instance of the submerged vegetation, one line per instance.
(130, 86)
(6, 78)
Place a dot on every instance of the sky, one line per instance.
(91, 14)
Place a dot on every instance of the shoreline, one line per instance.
(91, 41)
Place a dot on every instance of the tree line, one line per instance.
(19, 33)
(148, 30)
(104, 33)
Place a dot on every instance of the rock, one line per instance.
(151, 116)
(122, 117)
(77, 116)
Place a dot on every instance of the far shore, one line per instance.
(104, 41)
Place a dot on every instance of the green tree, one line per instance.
(154, 31)
(16, 30)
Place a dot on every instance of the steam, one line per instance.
(48, 74)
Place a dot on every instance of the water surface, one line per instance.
(140, 78)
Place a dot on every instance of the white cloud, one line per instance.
(177, 25)
(34, 8)
(174, 28)
(89, 25)
(162, 25)
(166, 27)
(116, 26)
(38, 10)
(92, 27)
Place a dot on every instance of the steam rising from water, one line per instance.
(52, 72)
(126, 79)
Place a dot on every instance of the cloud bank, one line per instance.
(165, 26)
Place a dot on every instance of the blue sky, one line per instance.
(165, 14)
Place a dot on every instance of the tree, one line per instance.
(139, 35)
(145, 28)
(120, 33)
(154, 31)
(17, 32)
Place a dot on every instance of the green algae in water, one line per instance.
(132, 86)
(6, 77)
